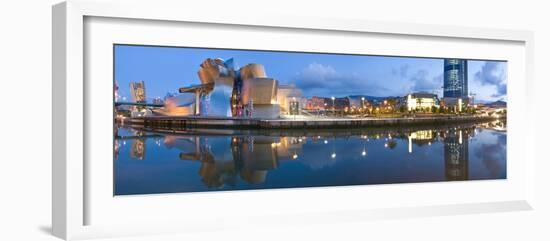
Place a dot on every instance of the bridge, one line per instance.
(138, 104)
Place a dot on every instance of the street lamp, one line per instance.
(363, 104)
(333, 107)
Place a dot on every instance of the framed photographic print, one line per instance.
(317, 120)
(174, 121)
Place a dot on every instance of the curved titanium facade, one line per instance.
(218, 101)
(213, 68)
(252, 71)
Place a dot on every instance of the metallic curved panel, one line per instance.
(259, 90)
(185, 99)
(180, 105)
(271, 111)
(218, 101)
(214, 68)
(252, 71)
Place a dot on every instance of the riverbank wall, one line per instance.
(165, 122)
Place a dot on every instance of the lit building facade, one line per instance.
(316, 103)
(455, 78)
(456, 104)
(290, 99)
(226, 92)
(421, 101)
(213, 96)
(340, 103)
(137, 91)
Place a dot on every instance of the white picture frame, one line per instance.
(71, 189)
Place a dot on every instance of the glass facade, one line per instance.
(455, 78)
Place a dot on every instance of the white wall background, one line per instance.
(25, 133)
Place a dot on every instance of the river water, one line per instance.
(148, 162)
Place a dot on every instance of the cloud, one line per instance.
(319, 79)
(402, 71)
(316, 76)
(491, 155)
(421, 82)
(493, 74)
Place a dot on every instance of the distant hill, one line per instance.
(372, 98)
(497, 104)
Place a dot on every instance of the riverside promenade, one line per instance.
(170, 122)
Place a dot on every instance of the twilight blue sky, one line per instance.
(166, 69)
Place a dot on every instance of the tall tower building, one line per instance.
(455, 78)
(137, 91)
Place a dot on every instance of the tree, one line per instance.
(402, 109)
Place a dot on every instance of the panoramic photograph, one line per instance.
(192, 119)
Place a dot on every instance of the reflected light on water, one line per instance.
(239, 160)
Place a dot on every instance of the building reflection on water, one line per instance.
(455, 149)
(456, 155)
(226, 159)
(249, 158)
(138, 149)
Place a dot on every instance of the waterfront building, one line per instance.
(421, 101)
(251, 71)
(261, 90)
(358, 102)
(217, 101)
(337, 103)
(117, 95)
(455, 104)
(455, 78)
(260, 96)
(137, 91)
(289, 99)
(158, 101)
(213, 96)
(180, 105)
(140, 112)
(225, 92)
(210, 69)
(389, 104)
(316, 103)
